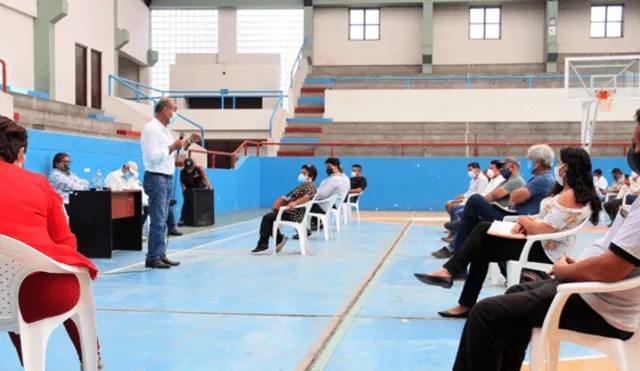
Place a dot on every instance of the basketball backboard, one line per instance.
(585, 75)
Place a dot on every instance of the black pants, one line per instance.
(612, 207)
(476, 210)
(478, 251)
(498, 329)
(266, 227)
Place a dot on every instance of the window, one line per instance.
(606, 21)
(174, 31)
(364, 24)
(484, 23)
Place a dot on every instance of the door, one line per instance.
(81, 75)
(96, 79)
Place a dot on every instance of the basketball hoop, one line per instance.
(605, 99)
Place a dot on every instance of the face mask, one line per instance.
(556, 173)
(490, 173)
(302, 178)
(471, 174)
(329, 171)
(65, 167)
(190, 169)
(174, 117)
(633, 159)
(128, 176)
(506, 173)
(353, 174)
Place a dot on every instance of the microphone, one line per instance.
(181, 136)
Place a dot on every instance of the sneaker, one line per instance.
(260, 248)
(443, 253)
(281, 244)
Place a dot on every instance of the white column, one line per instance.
(227, 35)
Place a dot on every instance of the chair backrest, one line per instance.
(327, 203)
(17, 261)
(357, 196)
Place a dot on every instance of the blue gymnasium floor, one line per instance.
(224, 309)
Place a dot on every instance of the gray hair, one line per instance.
(542, 153)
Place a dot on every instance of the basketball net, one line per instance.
(605, 99)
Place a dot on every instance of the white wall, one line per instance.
(462, 105)
(400, 39)
(6, 105)
(574, 29)
(134, 16)
(222, 120)
(521, 39)
(16, 41)
(89, 23)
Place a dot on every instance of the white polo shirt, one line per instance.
(155, 141)
(620, 309)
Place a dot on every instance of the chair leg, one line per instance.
(33, 341)
(274, 237)
(536, 361)
(85, 320)
(553, 354)
(303, 238)
(358, 212)
(494, 271)
(327, 227)
(514, 270)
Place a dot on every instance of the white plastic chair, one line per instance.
(326, 204)
(546, 340)
(301, 227)
(17, 261)
(339, 209)
(352, 204)
(515, 267)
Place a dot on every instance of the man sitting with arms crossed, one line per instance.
(512, 198)
(329, 187)
(498, 329)
(477, 185)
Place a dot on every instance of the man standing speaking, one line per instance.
(158, 154)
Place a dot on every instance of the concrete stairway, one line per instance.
(448, 132)
(49, 115)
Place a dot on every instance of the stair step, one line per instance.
(319, 81)
(302, 129)
(31, 93)
(318, 110)
(312, 90)
(319, 100)
(296, 153)
(96, 116)
(299, 140)
(310, 120)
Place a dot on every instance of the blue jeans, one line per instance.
(476, 210)
(456, 212)
(630, 199)
(158, 188)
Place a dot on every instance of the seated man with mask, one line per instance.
(334, 185)
(192, 177)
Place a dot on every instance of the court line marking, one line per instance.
(320, 352)
(181, 252)
(213, 229)
(245, 314)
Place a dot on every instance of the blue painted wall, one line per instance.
(400, 183)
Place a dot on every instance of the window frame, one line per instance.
(484, 22)
(364, 24)
(606, 21)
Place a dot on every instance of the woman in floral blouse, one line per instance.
(573, 200)
(302, 194)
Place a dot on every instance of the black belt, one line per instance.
(160, 174)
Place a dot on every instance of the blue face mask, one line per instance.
(531, 165)
(128, 176)
(173, 119)
(506, 173)
(302, 178)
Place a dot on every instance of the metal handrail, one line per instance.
(126, 84)
(4, 75)
(403, 145)
(297, 63)
(328, 81)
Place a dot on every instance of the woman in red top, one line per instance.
(32, 212)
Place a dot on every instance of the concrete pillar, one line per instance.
(227, 35)
(50, 12)
(427, 36)
(551, 36)
(307, 51)
(121, 38)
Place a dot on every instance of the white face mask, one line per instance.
(353, 174)
(472, 175)
(302, 178)
(556, 173)
(490, 174)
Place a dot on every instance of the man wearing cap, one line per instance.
(513, 197)
(192, 177)
(124, 178)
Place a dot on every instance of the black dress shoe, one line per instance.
(447, 314)
(443, 253)
(444, 282)
(170, 262)
(296, 237)
(175, 232)
(157, 264)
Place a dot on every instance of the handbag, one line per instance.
(278, 203)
